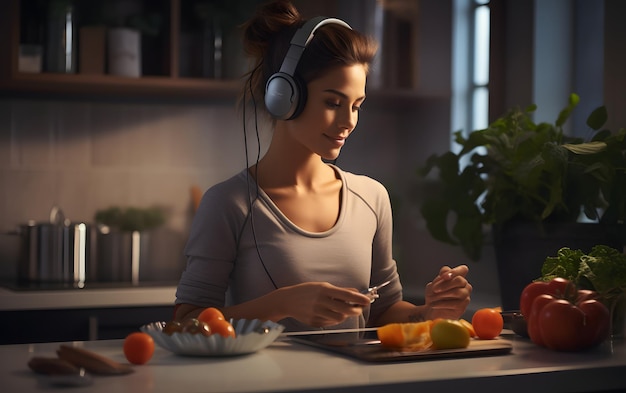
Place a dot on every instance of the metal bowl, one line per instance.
(515, 321)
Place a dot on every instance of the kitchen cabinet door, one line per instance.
(33, 326)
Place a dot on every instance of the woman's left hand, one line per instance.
(448, 295)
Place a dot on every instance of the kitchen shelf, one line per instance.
(170, 85)
(176, 78)
(109, 85)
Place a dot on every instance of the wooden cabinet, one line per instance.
(50, 312)
(179, 63)
(34, 326)
(170, 49)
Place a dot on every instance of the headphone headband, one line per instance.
(301, 39)
(283, 97)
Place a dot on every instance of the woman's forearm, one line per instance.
(263, 308)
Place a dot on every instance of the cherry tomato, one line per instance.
(194, 326)
(138, 347)
(172, 327)
(222, 327)
(208, 314)
(487, 323)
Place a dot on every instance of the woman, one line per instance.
(293, 239)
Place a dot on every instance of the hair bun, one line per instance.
(266, 25)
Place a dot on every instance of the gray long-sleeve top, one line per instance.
(234, 253)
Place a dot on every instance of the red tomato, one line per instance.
(138, 347)
(562, 288)
(530, 292)
(586, 294)
(563, 318)
(487, 323)
(222, 327)
(597, 321)
(560, 323)
(209, 314)
(532, 325)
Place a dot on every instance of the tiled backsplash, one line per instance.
(85, 156)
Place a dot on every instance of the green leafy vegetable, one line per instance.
(602, 270)
(131, 219)
(566, 265)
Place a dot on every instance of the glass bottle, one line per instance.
(61, 37)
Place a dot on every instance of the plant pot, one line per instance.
(120, 254)
(522, 247)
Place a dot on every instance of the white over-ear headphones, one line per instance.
(285, 96)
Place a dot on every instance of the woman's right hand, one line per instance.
(320, 304)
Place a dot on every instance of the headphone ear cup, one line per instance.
(302, 97)
(282, 96)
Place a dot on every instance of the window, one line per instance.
(470, 68)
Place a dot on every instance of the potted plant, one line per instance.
(518, 177)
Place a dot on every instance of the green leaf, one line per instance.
(605, 268)
(565, 113)
(566, 265)
(468, 230)
(597, 118)
(131, 219)
(586, 148)
(435, 212)
(516, 169)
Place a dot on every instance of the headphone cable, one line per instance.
(251, 202)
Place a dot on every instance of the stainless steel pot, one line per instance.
(120, 254)
(58, 251)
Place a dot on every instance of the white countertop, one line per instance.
(87, 298)
(289, 367)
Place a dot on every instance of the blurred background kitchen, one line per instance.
(113, 105)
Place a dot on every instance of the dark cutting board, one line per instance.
(371, 350)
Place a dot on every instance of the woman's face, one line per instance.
(331, 111)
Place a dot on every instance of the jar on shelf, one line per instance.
(60, 50)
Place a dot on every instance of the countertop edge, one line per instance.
(87, 298)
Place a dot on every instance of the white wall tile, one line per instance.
(32, 127)
(73, 190)
(5, 133)
(71, 134)
(29, 196)
(109, 187)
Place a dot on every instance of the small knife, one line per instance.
(330, 331)
(372, 292)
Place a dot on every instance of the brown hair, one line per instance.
(266, 39)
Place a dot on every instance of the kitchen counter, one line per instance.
(286, 366)
(103, 311)
(90, 297)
